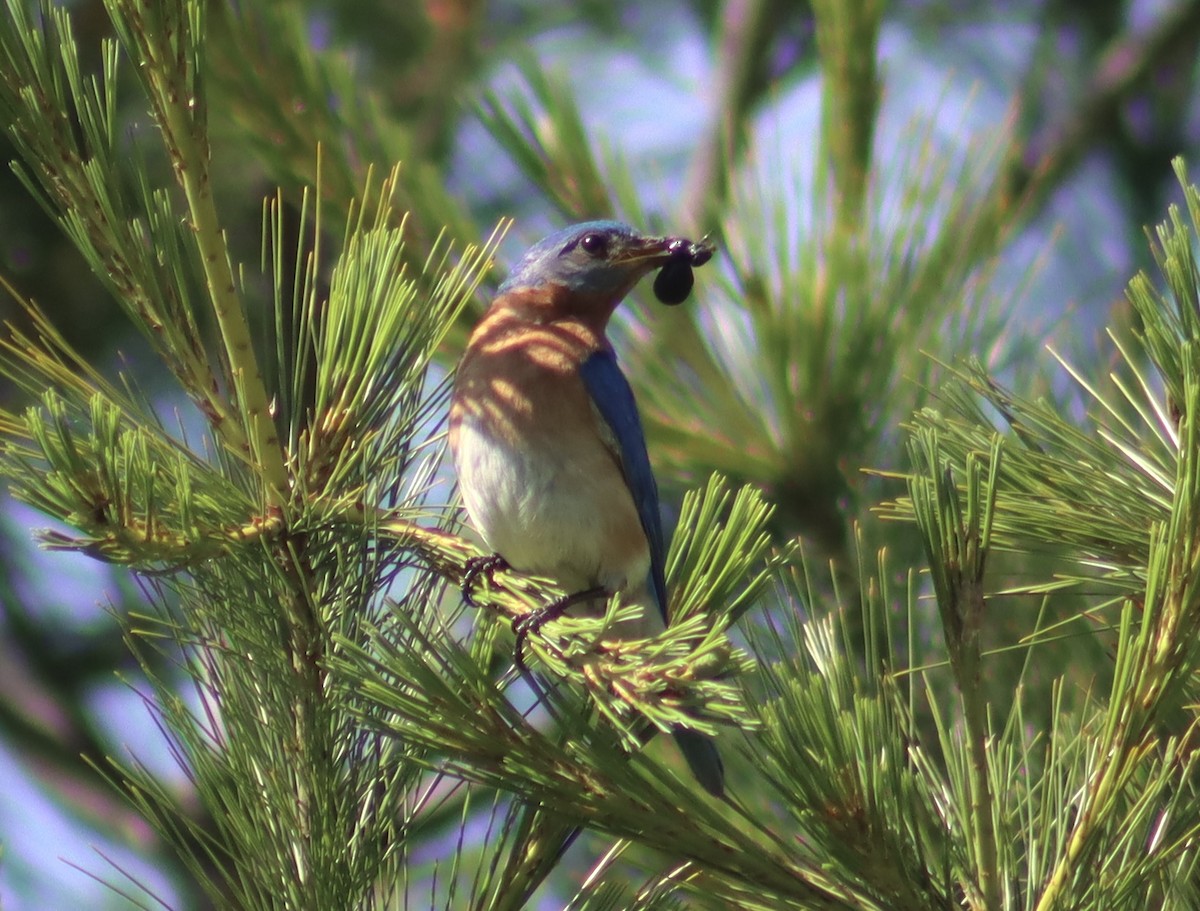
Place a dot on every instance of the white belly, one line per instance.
(552, 513)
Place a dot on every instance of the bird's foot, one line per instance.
(486, 566)
(533, 620)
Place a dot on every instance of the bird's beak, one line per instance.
(652, 252)
(645, 251)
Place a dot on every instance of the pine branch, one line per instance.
(685, 676)
(1119, 496)
(847, 38)
(746, 28)
(169, 40)
(1040, 163)
(957, 542)
(65, 127)
(286, 100)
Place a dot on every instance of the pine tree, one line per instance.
(965, 679)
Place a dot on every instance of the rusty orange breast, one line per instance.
(519, 378)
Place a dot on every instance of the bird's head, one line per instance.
(595, 264)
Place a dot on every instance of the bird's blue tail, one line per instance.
(703, 759)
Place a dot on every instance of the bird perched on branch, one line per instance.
(547, 441)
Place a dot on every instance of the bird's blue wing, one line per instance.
(613, 398)
(610, 392)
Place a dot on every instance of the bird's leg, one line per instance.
(480, 566)
(533, 620)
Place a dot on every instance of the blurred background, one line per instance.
(1059, 118)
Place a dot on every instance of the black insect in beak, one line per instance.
(674, 281)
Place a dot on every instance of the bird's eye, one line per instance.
(595, 244)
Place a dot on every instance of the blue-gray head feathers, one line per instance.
(583, 257)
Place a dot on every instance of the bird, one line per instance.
(547, 440)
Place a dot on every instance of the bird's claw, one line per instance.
(535, 619)
(486, 566)
(522, 628)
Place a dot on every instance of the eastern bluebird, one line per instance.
(547, 441)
